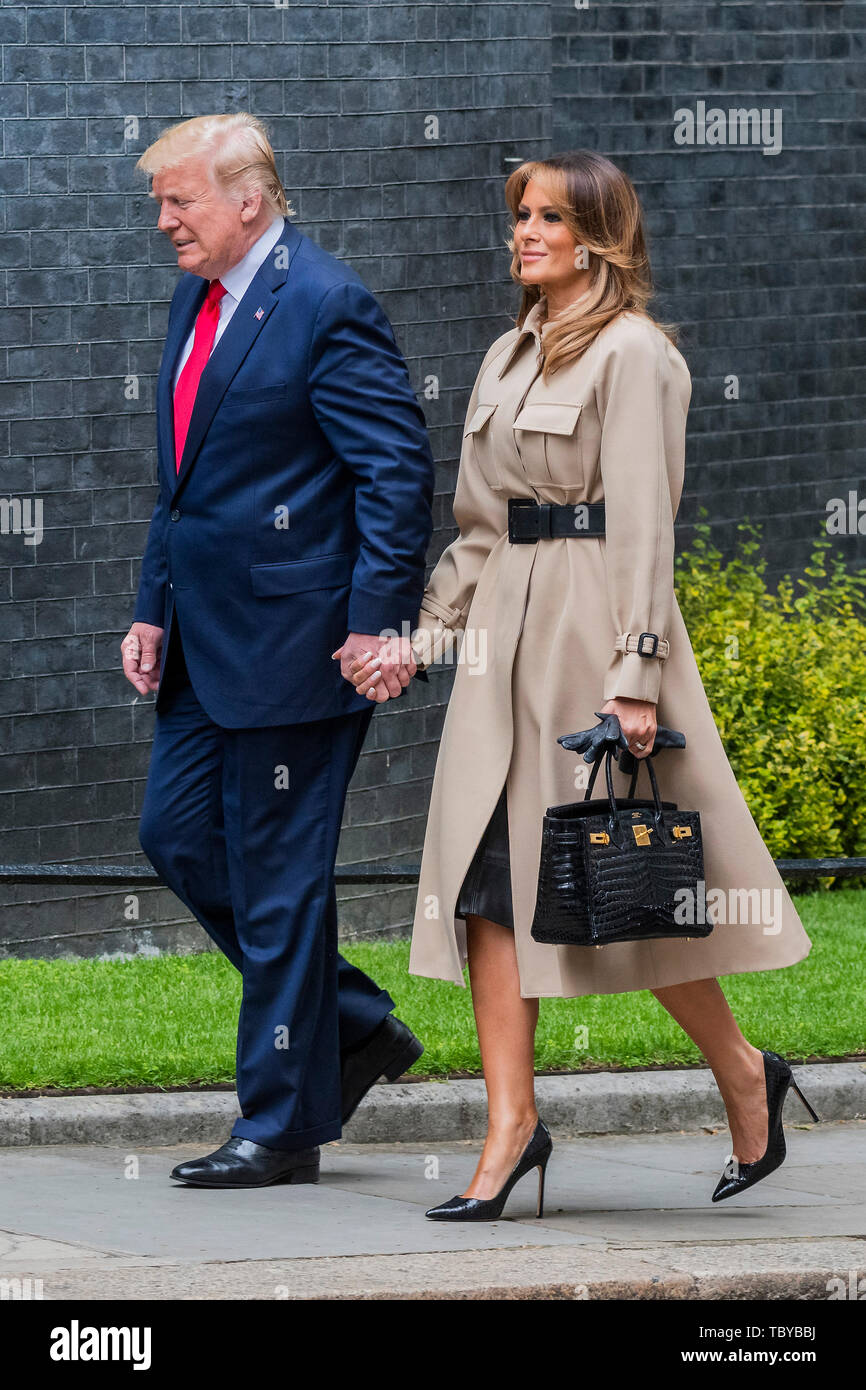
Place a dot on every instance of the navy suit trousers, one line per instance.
(243, 826)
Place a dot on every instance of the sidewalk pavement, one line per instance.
(627, 1216)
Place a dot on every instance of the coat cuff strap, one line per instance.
(445, 612)
(646, 644)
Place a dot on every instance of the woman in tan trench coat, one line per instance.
(550, 635)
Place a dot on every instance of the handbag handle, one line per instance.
(611, 794)
(607, 739)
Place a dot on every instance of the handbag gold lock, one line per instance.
(682, 832)
(642, 834)
(599, 837)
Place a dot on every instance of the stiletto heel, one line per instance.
(778, 1077)
(795, 1087)
(542, 1168)
(535, 1155)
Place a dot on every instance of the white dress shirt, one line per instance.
(236, 283)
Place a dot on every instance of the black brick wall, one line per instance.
(758, 257)
(346, 91)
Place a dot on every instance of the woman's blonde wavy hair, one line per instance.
(599, 205)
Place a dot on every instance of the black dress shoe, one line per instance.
(738, 1176)
(241, 1163)
(389, 1051)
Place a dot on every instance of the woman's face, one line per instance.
(544, 244)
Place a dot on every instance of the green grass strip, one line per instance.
(171, 1020)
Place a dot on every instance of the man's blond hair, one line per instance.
(237, 148)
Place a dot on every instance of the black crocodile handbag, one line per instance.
(624, 870)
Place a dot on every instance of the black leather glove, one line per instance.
(593, 743)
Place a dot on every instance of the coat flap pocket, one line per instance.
(480, 418)
(548, 417)
(298, 576)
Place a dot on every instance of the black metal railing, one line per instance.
(127, 876)
(119, 875)
(142, 875)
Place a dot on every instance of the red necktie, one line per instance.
(187, 382)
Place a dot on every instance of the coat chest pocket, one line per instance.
(478, 443)
(549, 442)
(256, 395)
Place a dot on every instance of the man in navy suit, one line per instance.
(290, 530)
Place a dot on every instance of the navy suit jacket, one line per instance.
(302, 509)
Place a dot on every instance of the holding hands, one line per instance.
(379, 668)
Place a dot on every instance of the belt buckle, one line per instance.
(516, 504)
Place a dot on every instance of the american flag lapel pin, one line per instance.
(260, 313)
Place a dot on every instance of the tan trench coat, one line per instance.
(543, 628)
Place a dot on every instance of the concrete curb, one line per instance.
(765, 1270)
(642, 1102)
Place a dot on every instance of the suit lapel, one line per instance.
(246, 323)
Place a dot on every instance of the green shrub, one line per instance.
(785, 675)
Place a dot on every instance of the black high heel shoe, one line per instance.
(778, 1077)
(535, 1155)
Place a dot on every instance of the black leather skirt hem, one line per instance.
(486, 889)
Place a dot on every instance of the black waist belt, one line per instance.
(530, 521)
